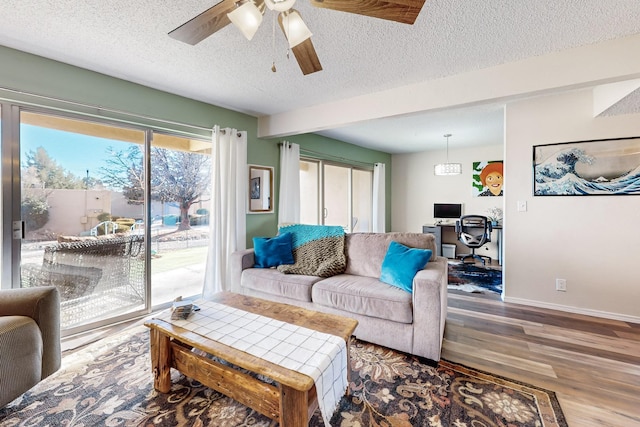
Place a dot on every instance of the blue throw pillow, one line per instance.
(273, 251)
(401, 264)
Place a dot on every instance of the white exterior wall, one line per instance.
(73, 211)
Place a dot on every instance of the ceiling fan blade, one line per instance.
(205, 24)
(304, 52)
(307, 58)
(404, 11)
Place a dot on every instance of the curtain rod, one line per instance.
(325, 156)
(224, 131)
(102, 109)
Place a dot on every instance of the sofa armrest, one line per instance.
(42, 304)
(240, 261)
(430, 308)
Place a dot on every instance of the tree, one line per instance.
(35, 211)
(176, 176)
(50, 174)
(181, 177)
(40, 175)
(125, 172)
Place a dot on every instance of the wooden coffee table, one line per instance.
(291, 403)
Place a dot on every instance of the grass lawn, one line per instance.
(171, 260)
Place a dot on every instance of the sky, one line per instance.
(74, 152)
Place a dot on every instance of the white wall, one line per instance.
(415, 188)
(591, 241)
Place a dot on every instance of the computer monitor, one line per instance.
(447, 210)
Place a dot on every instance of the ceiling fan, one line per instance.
(247, 16)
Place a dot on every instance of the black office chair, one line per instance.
(474, 231)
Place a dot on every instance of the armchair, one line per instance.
(29, 339)
(474, 231)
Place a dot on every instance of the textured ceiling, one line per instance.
(128, 39)
(630, 104)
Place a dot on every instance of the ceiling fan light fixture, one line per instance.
(445, 169)
(294, 28)
(279, 5)
(247, 18)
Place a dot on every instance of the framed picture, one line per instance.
(255, 188)
(587, 168)
(487, 179)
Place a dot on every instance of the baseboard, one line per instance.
(575, 310)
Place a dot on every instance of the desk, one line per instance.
(438, 229)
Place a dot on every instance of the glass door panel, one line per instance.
(336, 193)
(309, 191)
(81, 204)
(180, 202)
(362, 200)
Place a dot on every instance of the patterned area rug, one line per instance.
(474, 278)
(109, 383)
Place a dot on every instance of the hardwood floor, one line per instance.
(592, 364)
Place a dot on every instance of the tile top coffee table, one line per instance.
(293, 399)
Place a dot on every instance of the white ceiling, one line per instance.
(128, 39)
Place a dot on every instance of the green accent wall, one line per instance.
(32, 74)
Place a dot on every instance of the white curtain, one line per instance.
(379, 204)
(289, 201)
(228, 206)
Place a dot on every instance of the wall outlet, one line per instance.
(561, 285)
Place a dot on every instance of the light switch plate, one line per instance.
(522, 205)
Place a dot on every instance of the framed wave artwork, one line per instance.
(587, 168)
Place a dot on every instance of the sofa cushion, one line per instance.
(364, 295)
(401, 263)
(271, 281)
(273, 251)
(366, 251)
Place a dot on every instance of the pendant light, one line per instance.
(448, 168)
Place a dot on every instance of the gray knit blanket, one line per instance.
(318, 250)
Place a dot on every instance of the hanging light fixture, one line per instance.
(247, 17)
(448, 168)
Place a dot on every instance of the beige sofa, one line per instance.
(386, 315)
(29, 339)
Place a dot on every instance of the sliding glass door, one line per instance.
(79, 222)
(115, 216)
(180, 199)
(309, 192)
(362, 200)
(335, 194)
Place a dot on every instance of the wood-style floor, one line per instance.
(592, 364)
